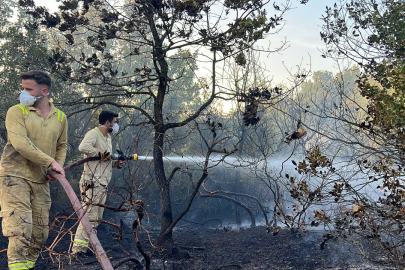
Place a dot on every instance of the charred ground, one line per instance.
(216, 248)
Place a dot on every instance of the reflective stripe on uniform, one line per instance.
(18, 266)
(30, 264)
(61, 115)
(98, 132)
(81, 242)
(23, 108)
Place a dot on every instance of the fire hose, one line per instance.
(99, 251)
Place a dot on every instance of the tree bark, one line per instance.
(164, 239)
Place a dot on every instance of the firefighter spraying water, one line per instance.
(96, 147)
(35, 150)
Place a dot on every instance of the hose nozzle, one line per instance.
(122, 156)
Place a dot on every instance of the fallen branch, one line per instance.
(132, 259)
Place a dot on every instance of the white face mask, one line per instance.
(26, 99)
(115, 128)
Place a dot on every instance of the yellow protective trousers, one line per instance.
(25, 209)
(92, 192)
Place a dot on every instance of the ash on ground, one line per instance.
(216, 249)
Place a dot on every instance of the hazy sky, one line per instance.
(301, 31)
(302, 28)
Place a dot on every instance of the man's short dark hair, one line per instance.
(38, 76)
(106, 115)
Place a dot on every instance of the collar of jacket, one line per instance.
(51, 111)
(101, 133)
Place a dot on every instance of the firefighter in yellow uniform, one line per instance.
(37, 143)
(96, 175)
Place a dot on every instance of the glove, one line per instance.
(104, 156)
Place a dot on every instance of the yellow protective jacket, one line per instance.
(33, 142)
(92, 144)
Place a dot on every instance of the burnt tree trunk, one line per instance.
(165, 238)
(166, 213)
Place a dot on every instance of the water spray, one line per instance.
(145, 158)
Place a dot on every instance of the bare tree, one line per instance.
(152, 33)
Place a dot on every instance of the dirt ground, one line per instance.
(216, 249)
